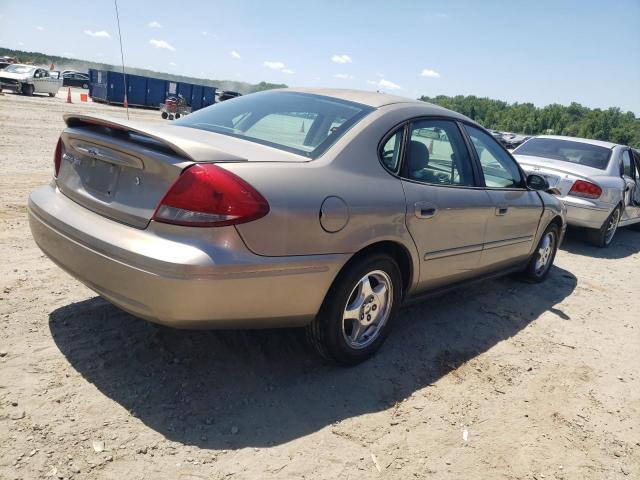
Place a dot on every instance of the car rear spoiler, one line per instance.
(192, 145)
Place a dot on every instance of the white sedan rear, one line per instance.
(599, 182)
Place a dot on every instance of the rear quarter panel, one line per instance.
(351, 171)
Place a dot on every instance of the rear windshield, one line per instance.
(586, 154)
(301, 123)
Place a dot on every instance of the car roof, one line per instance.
(377, 100)
(600, 143)
(372, 99)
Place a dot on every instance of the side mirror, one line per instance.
(537, 182)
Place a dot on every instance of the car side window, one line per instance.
(390, 151)
(627, 170)
(498, 168)
(436, 154)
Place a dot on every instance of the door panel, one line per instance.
(446, 212)
(448, 226)
(630, 176)
(512, 227)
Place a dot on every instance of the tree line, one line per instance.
(574, 120)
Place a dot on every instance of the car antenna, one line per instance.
(124, 76)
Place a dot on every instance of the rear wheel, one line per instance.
(52, 94)
(177, 116)
(170, 117)
(603, 237)
(358, 311)
(27, 89)
(542, 259)
(164, 115)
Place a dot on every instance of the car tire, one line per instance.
(170, 117)
(27, 89)
(177, 116)
(367, 296)
(542, 259)
(164, 115)
(603, 236)
(52, 94)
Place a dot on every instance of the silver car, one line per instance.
(599, 182)
(326, 209)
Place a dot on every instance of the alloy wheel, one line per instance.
(367, 309)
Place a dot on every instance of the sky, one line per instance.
(541, 51)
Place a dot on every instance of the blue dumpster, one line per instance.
(137, 90)
(156, 92)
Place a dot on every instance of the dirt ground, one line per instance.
(504, 380)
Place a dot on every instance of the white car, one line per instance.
(27, 79)
(598, 182)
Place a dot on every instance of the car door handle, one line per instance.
(425, 210)
(502, 210)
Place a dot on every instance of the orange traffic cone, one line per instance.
(69, 96)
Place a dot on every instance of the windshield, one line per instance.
(580, 153)
(20, 69)
(301, 123)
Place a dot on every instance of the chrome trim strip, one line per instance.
(452, 251)
(449, 252)
(107, 155)
(505, 243)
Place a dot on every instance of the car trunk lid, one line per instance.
(559, 175)
(121, 169)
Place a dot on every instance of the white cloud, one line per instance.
(427, 72)
(344, 76)
(385, 84)
(287, 70)
(341, 59)
(39, 28)
(235, 54)
(100, 34)
(21, 44)
(173, 64)
(154, 24)
(205, 33)
(273, 65)
(69, 54)
(442, 15)
(162, 44)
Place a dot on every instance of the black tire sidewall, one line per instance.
(331, 313)
(598, 237)
(531, 267)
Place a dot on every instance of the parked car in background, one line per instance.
(227, 95)
(27, 79)
(599, 182)
(74, 79)
(325, 209)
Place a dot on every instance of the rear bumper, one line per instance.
(586, 214)
(182, 277)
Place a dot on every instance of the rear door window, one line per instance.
(436, 154)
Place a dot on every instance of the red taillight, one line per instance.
(585, 189)
(205, 195)
(57, 158)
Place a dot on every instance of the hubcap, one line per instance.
(367, 309)
(612, 226)
(545, 251)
